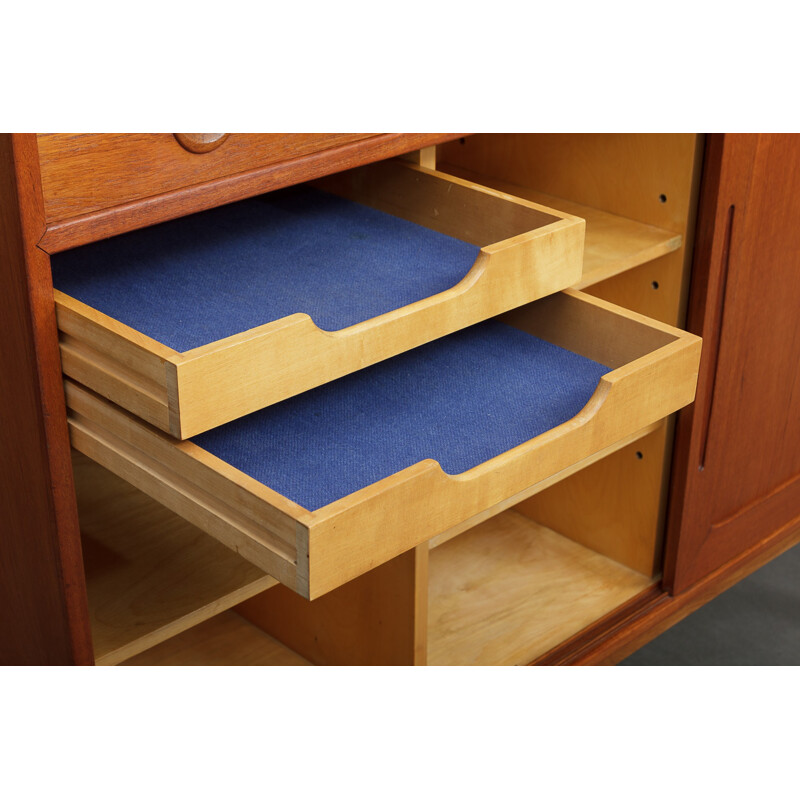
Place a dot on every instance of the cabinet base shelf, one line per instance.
(510, 589)
(225, 640)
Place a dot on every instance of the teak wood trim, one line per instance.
(97, 225)
(44, 615)
(728, 489)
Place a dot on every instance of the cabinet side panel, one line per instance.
(43, 612)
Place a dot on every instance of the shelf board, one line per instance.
(613, 244)
(510, 589)
(225, 640)
(149, 573)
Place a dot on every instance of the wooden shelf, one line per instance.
(510, 589)
(225, 640)
(613, 244)
(149, 573)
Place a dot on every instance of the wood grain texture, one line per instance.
(200, 142)
(630, 627)
(653, 372)
(637, 255)
(202, 191)
(149, 573)
(517, 500)
(378, 618)
(526, 253)
(510, 589)
(625, 524)
(85, 172)
(43, 612)
(613, 244)
(738, 451)
(243, 514)
(226, 640)
(622, 173)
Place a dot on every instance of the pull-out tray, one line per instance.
(205, 319)
(323, 487)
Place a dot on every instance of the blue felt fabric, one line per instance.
(460, 400)
(201, 278)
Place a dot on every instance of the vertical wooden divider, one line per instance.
(380, 618)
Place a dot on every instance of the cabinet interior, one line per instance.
(515, 582)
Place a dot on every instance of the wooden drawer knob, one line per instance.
(201, 142)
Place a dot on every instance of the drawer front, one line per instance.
(86, 172)
(648, 370)
(509, 252)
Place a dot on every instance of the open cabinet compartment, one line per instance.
(508, 252)
(652, 371)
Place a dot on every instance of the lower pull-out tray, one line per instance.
(323, 487)
(205, 319)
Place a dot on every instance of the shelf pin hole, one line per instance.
(639, 455)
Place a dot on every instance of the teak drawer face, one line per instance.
(652, 371)
(86, 172)
(524, 252)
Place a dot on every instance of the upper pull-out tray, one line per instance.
(325, 486)
(205, 319)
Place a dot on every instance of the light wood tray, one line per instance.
(653, 372)
(527, 251)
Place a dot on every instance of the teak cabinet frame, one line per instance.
(716, 532)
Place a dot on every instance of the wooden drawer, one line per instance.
(86, 172)
(464, 253)
(647, 370)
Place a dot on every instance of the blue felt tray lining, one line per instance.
(460, 400)
(204, 277)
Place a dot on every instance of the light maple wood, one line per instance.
(516, 501)
(379, 618)
(613, 244)
(510, 589)
(225, 640)
(653, 370)
(615, 507)
(527, 252)
(633, 189)
(149, 573)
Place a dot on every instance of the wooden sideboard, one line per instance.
(693, 231)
